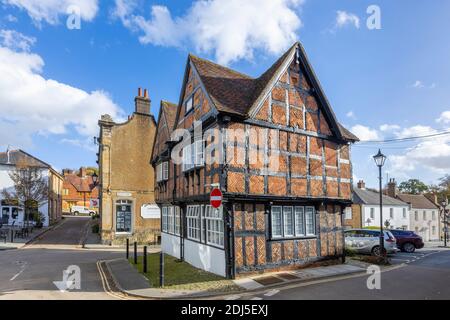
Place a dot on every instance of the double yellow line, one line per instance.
(106, 286)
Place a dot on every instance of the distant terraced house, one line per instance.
(12, 213)
(274, 147)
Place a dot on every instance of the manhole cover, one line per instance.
(268, 280)
(287, 276)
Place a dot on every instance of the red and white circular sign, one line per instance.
(216, 198)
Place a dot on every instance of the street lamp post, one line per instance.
(444, 211)
(380, 160)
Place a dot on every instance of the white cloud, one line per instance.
(351, 115)
(231, 29)
(16, 40)
(444, 118)
(418, 84)
(31, 104)
(415, 131)
(344, 18)
(389, 127)
(50, 10)
(11, 18)
(365, 133)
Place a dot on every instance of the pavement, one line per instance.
(21, 242)
(131, 283)
(425, 277)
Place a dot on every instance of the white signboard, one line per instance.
(124, 194)
(150, 211)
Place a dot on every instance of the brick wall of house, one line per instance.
(255, 251)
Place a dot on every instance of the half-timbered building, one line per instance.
(274, 147)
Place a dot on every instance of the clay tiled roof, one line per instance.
(236, 93)
(230, 91)
(418, 201)
(170, 113)
(85, 184)
(347, 134)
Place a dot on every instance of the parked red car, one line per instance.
(408, 241)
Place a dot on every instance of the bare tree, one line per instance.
(30, 189)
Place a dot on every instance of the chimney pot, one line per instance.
(142, 102)
(392, 188)
(361, 184)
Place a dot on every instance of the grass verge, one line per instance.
(183, 276)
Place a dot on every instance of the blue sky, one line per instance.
(387, 83)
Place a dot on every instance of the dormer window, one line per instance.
(190, 104)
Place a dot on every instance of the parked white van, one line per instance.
(77, 210)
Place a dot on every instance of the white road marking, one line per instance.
(22, 269)
(232, 298)
(256, 298)
(271, 292)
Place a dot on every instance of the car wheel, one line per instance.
(409, 247)
(376, 251)
(76, 213)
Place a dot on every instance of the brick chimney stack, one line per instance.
(83, 172)
(361, 185)
(142, 102)
(392, 188)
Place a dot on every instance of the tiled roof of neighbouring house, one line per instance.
(418, 201)
(237, 93)
(364, 196)
(170, 112)
(81, 184)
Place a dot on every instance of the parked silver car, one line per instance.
(368, 241)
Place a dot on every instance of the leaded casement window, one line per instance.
(123, 216)
(214, 226)
(162, 171)
(293, 221)
(288, 221)
(193, 155)
(171, 219)
(164, 219)
(310, 218)
(190, 104)
(188, 162)
(372, 213)
(193, 218)
(348, 213)
(177, 214)
(391, 213)
(300, 221)
(276, 222)
(199, 148)
(404, 213)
